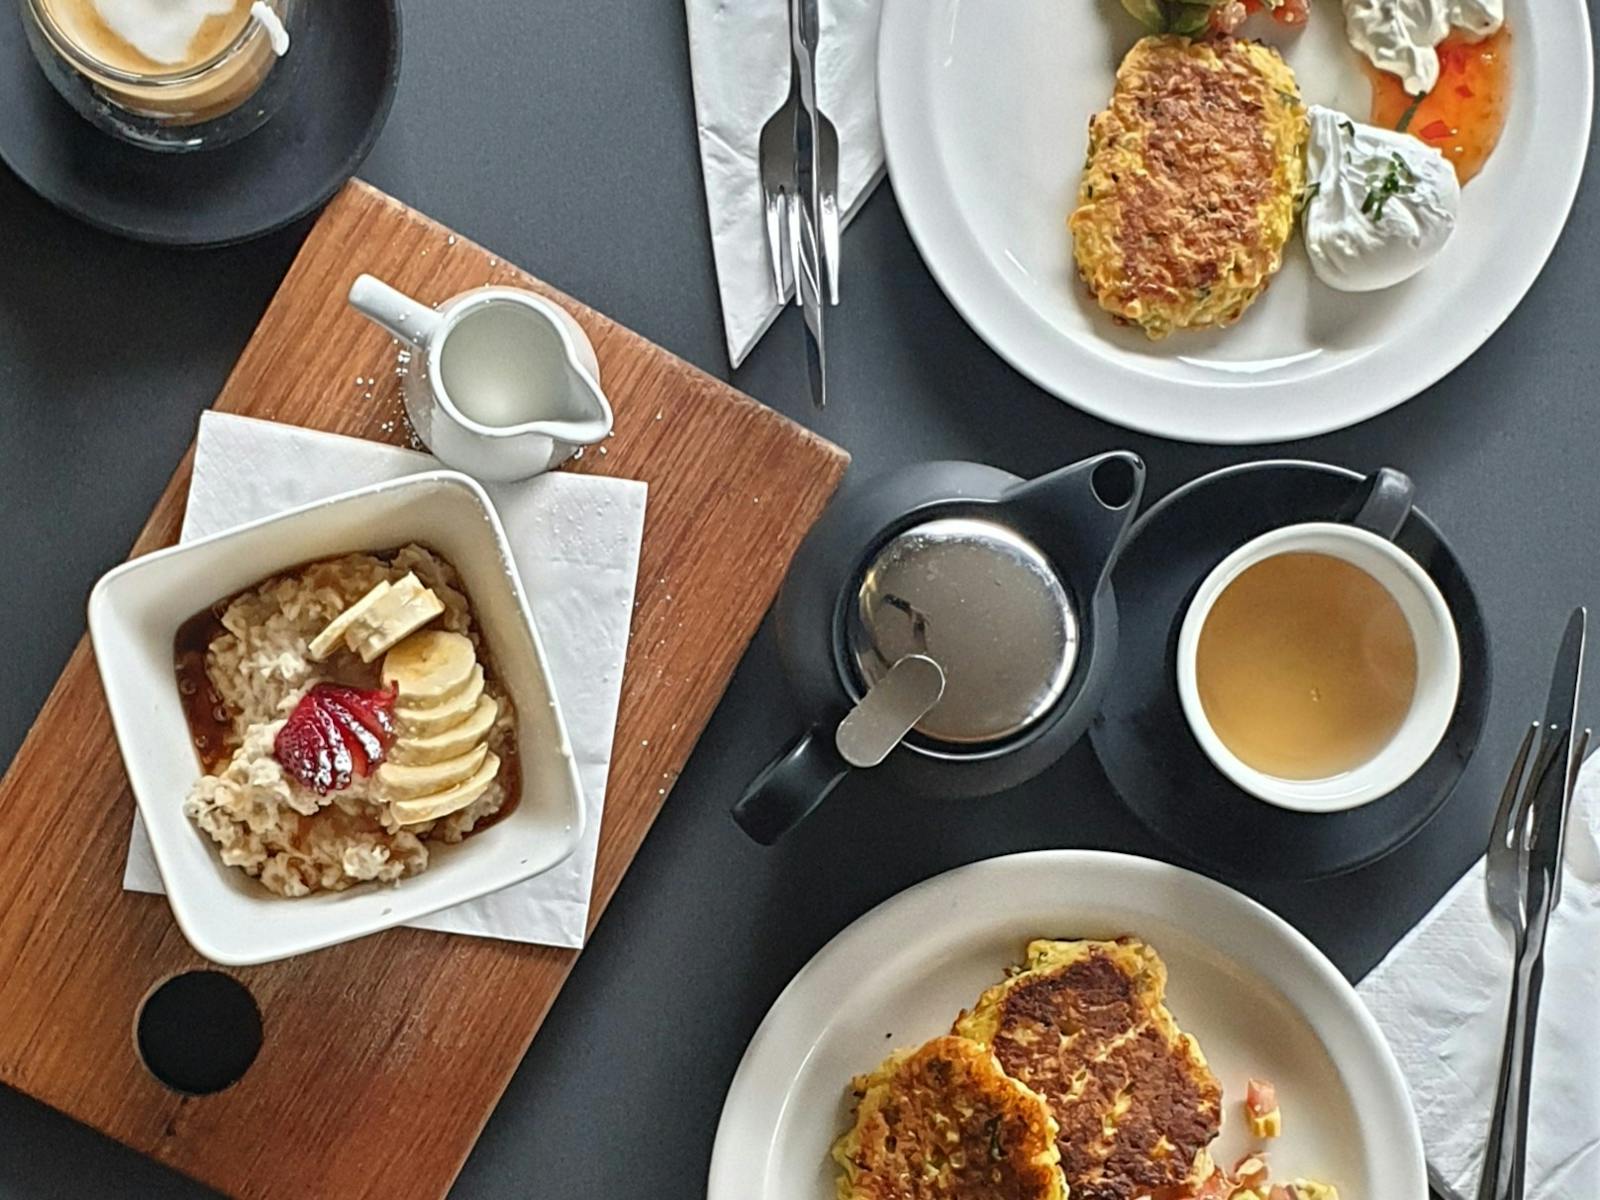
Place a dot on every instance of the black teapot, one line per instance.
(951, 622)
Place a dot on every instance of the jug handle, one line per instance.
(1102, 527)
(790, 786)
(409, 320)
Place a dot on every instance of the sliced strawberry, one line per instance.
(338, 752)
(312, 749)
(364, 746)
(335, 732)
(300, 748)
(374, 709)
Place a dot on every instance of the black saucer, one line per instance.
(1141, 737)
(344, 83)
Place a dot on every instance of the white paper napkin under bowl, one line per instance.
(1441, 996)
(576, 541)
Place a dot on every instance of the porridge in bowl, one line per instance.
(347, 716)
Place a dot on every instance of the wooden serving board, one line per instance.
(406, 1020)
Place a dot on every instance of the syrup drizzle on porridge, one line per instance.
(210, 721)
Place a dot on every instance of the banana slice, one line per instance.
(326, 642)
(454, 741)
(405, 608)
(419, 723)
(430, 668)
(400, 782)
(453, 799)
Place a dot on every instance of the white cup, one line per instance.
(1433, 634)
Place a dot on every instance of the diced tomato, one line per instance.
(1464, 91)
(1260, 1097)
(1292, 12)
(1434, 130)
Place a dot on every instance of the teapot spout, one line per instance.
(1080, 513)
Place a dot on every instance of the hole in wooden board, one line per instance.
(199, 1032)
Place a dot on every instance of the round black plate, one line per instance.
(289, 167)
(1140, 734)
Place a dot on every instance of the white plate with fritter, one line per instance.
(1261, 1000)
(985, 106)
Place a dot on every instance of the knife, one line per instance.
(1555, 774)
(812, 270)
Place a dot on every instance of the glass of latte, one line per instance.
(166, 74)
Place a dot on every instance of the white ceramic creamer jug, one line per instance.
(503, 383)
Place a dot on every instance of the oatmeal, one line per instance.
(347, 716)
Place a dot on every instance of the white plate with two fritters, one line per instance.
(1260, 999)
(985, 107)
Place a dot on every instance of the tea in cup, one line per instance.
(1318, 665)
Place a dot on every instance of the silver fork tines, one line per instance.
(776, 161)
(778, 151)
(1508, 844)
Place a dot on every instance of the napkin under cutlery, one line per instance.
(1440, 997)
(576, 541)
(739, 58)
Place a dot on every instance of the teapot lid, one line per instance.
(984, 603)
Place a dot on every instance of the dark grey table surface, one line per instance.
(567, 143)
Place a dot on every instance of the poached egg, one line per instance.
(1381, 205)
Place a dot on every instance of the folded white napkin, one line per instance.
(739, 58)
(1441, 999)
(576, 542)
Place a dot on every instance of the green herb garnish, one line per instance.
(992, 1128)
(1404, 123)
(1398, 179)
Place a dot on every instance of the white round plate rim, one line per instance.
(1387, 375)
(969, 899)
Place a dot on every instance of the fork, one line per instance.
(1523, 880)
(1504, 871)
(778, 184)
(780, 198)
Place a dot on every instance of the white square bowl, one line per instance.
(134, 614)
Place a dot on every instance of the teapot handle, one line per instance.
(1098, 521)
(790, 786)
